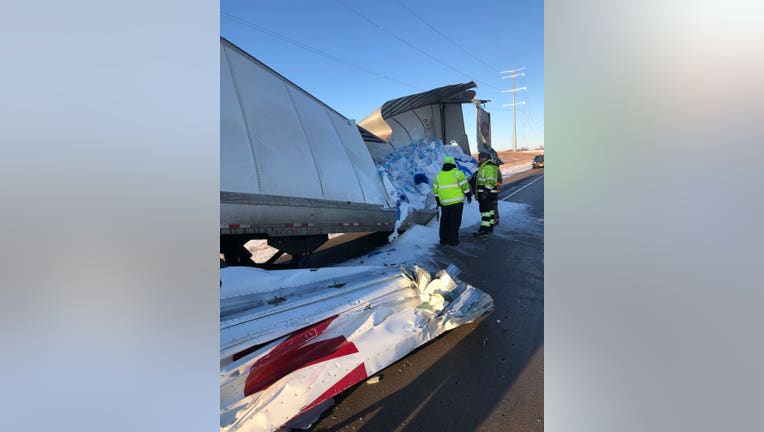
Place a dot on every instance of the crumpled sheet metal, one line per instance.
(285, 301)
(295, 376)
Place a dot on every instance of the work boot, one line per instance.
(484, 232)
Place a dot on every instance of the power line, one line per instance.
(316, 50)
(383, 29)
(444, 36)
(531, 111)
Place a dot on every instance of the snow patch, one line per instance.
(239, 281)
(416, 245)
(506, 172)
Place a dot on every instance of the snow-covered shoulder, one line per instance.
(416, 245)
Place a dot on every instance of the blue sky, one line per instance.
(404, 56)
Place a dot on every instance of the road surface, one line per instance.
(486, 376)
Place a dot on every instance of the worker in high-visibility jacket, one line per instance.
(488, 186)
(450, 186)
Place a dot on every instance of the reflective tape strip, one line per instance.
(448, 186)
(452, 200)
(349, 224)
(234, 226)
(299, 225)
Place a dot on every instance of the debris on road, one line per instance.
(281, 364)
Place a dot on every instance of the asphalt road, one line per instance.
(486, 376)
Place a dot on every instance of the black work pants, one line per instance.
(450, 221)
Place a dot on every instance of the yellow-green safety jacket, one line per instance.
(488, 178)
(450, 187)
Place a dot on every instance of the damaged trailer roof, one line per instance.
(435, 113)
(455, 93)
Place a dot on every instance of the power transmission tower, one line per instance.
(514, 74)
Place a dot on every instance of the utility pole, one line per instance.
(514, 74)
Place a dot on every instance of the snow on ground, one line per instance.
(505, 172)
(417, 244)
(243, 280)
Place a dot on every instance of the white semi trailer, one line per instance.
(292, 169)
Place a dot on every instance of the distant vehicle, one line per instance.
(538, 161)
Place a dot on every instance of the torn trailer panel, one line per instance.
(275, 367)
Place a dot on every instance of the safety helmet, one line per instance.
(450, 160)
